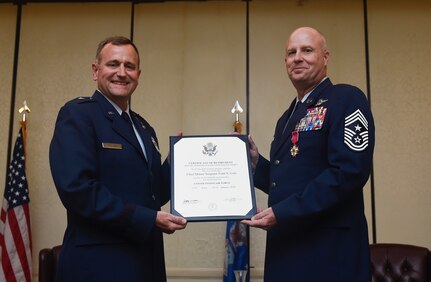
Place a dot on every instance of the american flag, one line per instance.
(15, 233)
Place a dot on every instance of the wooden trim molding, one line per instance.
(190, 272)
(187, 272)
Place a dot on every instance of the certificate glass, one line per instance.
(211, 178)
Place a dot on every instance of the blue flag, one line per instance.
(236, 248)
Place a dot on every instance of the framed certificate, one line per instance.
(211, 178)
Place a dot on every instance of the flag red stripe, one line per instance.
(7, 268)
(19, 241)
(27, 216)
(3, 214)
(25, 230)
(5, 260)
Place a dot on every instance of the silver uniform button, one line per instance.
(273, 184)
(276, 162)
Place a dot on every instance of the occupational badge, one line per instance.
(321, 101)
(356, 131)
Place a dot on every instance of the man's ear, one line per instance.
(326, 57)
(95, 70)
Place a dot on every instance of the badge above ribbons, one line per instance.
(356, 131)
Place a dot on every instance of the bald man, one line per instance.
(320, 160)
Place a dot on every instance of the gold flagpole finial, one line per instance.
(237, 125)
(24, 110)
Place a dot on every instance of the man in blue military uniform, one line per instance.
(320, 160)
(107, 169)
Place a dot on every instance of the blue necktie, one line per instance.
(298, 103)
(126, 117)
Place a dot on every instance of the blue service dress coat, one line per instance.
(111, 193)
(317, 195)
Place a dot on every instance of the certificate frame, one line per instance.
(211, 178)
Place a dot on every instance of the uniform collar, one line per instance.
(311, 91)
(117, 108)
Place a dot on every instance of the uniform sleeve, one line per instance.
(350, 145)
(261, 175)
(75, 169)
(165, 194)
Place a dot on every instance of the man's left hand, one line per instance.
(264, 220)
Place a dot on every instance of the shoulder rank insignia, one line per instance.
(356, 131)
(84, 99)
(142, 124)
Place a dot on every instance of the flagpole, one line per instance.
(247, 114)
(14, 78)
(240, 270)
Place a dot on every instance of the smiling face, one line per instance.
(306, 59)
(116, 71)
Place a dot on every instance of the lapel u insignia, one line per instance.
(155, 144)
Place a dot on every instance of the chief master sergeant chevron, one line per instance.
(320, 160)
(108, 174)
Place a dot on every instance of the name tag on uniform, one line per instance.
(114, 146)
